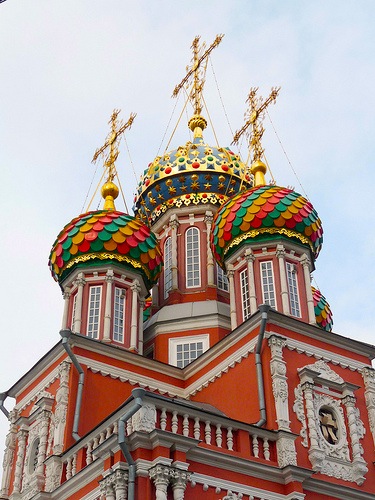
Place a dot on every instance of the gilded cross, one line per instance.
(198, 70)
(109, 151)
(254, 117)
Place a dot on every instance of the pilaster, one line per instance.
(280, 254)
(306, 265)
(108, 306)
(210, 260)
(249, 256)
(232, 298)
(80, 282)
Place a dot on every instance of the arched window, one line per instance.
(167, 266)
(193, 274)
(222, 280)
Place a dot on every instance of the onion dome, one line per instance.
(323, 313)
(104, 236)
(262, 212)
(191, 174)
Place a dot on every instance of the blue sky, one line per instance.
(66, 65)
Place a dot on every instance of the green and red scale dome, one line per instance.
(263, 211)
(106, 235)
(323, 313)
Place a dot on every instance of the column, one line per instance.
(305, 261)
(279, 381)
(140, 327)
(232, 298)
(173, 224)
(10, 444)
(249, 256)
(44, 420)
(21, 437)
(161, 474)
(66, 297)
(107, 488)
(80, 282)
(179, 481)
(368, 375)
(356, 431)
(210, 259)
(62, 395)
(134, 319)
(280, 254)
(108, 306)
(316, 454)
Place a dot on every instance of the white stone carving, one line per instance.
(286, 451)
(299, 410)
(145, 418)
(368, 375)
(115, 485)
(164, 475)
(62, 395)
(279, 381)
(325, 371)
(331, 459)
(8, 460)
(53, 473)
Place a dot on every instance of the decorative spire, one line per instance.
(197, 123)
(255, 116)
(110, 151)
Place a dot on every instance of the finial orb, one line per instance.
(110, 189)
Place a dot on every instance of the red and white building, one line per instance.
(234, 387)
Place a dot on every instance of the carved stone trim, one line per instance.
(279, 381)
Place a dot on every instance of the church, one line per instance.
(195, 359)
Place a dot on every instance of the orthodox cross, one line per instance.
(199, 76)
(328, 426)
(254, 116)
(112, 142)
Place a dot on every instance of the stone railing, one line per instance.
(213, 431)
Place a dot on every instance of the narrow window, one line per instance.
(245, 295)
(94, 312)
(268, 286)
(118, 315)
(74, 311)
(222, 280)
(293, 289)
(167, 266)
(193, 278)
(184, 350)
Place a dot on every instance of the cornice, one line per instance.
(335, 490)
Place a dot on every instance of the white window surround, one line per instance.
(294, 302)
(245, 295)
(192, 254)
(178, 346)
(167, 266)
(268, 283)
(119, 315)
(93, 312)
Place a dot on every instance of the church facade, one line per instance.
(226, 382)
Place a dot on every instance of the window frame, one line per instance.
(222, 281)
(194, 259)
(119, 314)
(174, 342)
(293, 292)
(245, 294)
(270, 301)
(89, 309)
(167, 266)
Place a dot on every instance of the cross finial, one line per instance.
(198, 70)
(112, 142)
(254, 117)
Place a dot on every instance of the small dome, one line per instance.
(323, 313)
(191, 174)
(263, 211)
(106, 235)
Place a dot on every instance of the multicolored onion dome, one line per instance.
(263, 211)
(106, 235)
(323, 313)
(193, 173)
